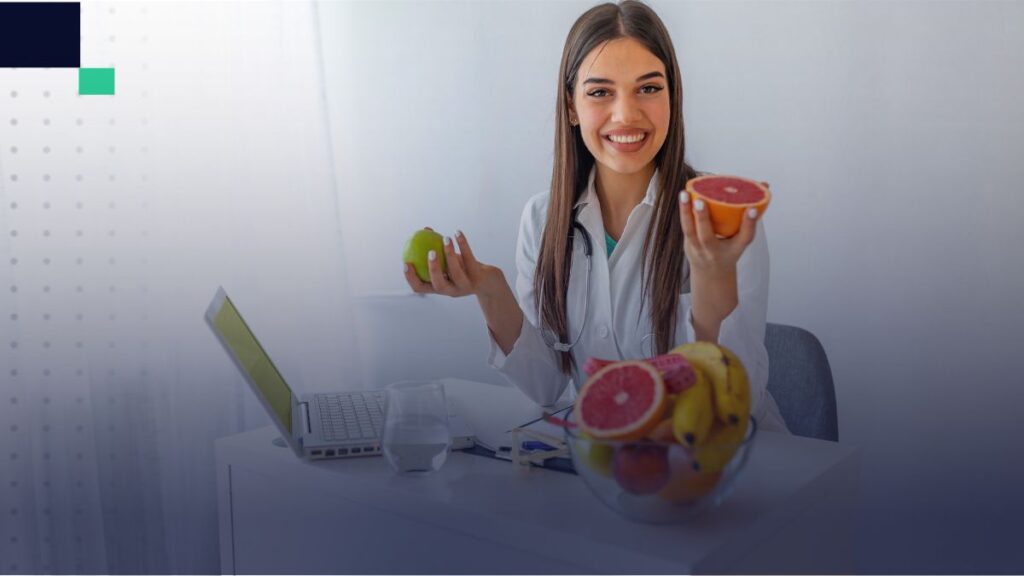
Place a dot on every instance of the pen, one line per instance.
(537, 445)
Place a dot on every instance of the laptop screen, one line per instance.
(253, 360)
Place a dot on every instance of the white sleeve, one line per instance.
(742, 331)
(531, 365)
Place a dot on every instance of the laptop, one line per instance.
(317, 425)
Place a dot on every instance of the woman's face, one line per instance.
(621, 100)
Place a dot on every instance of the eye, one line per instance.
(597, 93)
(652, 89)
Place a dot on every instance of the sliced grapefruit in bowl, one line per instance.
(728, 198)
(675, 370)
(622, 401)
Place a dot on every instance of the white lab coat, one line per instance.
(616, 296)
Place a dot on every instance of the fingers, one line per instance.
(686, 216)
(450, 272)
(701, 242)
(456, 270)
(418, 286)
(440, 282)
(467, 253)
(748, 228)
(702, 221)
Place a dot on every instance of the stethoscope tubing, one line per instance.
(588, 251)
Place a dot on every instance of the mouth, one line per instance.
(626, 142)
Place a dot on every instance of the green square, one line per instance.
(96, 81)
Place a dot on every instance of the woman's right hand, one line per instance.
(465, 276)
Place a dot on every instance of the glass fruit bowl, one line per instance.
(658, 482)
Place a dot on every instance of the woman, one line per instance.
(658, 275)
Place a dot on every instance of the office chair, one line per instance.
(800, 380)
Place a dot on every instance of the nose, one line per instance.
(626, 111)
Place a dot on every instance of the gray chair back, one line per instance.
(800, 380)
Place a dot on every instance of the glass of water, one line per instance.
(416, 435)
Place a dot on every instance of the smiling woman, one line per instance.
(619, 78)
(618, 170)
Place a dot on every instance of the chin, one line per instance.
(623, 166)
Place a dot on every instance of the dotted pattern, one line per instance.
(99, 491)
(73, 216)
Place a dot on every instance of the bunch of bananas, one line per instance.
(712, 416)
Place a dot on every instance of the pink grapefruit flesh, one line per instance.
(622, 401)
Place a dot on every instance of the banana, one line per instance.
(728, 379)
(721, 445)
(732, 399)
(693, 415)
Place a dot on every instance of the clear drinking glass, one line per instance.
(416, 434)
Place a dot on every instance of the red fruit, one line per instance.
(729, 189)
(728, 198)
(622, 401)
(675, 369)
(641, 468)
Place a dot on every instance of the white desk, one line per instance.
(793, 510)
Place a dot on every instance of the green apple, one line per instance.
(417, 248)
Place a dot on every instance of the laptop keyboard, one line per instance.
(351, 415)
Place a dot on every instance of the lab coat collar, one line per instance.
(589, 195)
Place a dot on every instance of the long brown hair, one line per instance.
(663, 245)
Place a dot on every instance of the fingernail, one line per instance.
(752, 213)
(698, 205)
(460, 234)
(684, 197)
(405, 267)
(432, 255)
(448, 240)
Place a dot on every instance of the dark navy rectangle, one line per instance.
(40, 35)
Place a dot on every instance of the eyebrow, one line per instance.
(647, 76)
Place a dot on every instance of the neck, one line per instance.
(619, 194)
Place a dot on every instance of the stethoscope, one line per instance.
(550, 339)
(588, 250)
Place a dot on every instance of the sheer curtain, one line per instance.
(120, 217)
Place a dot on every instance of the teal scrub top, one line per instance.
(610, 243)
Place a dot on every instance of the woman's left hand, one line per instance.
(707, 252)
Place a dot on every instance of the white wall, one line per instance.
(119, 217)
(891, 134)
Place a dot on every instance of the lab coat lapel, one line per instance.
(631, 321)
(599, 336)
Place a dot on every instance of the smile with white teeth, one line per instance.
(627, 139)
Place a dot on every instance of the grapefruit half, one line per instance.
(622, 401)
(728, 198)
